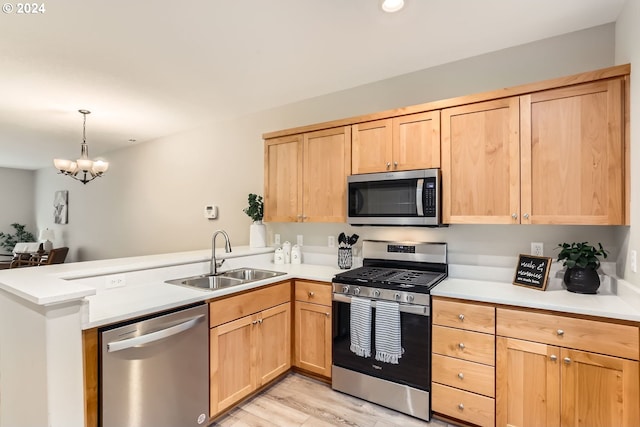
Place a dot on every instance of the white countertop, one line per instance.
(623, 302)
(146, 292)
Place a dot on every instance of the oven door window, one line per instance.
(396, 198)
(413, 368)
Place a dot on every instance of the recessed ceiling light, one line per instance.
(132, 140)
(391, 6)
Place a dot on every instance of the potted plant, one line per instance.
(9, 241)
(257, 231)
(581, 260)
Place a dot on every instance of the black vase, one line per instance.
(582, 280)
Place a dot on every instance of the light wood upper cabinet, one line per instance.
(305, 176)
(550, 157)
(573, 155)
(283, 178)
(481, 163)
(326, 165)
(395, 144)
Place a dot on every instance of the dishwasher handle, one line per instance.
(153, 336)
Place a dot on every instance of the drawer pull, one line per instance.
(255, 322)
(460, 406)
(461, 317)
(326, 314)
(461, 375)
(461, 345)
(553, 357)
(311, 294)
(567, 360)
(560, 332)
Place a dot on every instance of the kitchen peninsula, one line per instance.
(44, 311)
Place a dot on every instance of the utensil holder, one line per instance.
(345, 258)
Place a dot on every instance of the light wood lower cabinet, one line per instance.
(249, 351)
(463, 360)
(550, 385)
(313, 337)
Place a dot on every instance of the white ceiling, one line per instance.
(152, 68)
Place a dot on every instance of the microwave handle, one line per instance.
(419, 197)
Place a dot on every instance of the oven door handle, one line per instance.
(421, 310)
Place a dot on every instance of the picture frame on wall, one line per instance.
(61, 207)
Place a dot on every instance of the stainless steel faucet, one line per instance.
(215, 264)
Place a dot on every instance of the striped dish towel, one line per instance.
(388, 337)
(361, 326)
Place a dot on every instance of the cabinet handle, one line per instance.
(311, 294)
(567, 360)
(460, 406)
(526, 216)
(260, 321)
(461, 317)
(461, 345)
(461, 375)
(388, 165)
(553, 357)
(514, 216)
(327, 314)
(560, 332)
(255, 322)
(395, 165)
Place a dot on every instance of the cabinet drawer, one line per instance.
(463, 405)
(474, 317)
(467, 345)
(314, 292)
(469, 376)
(563, 331)
(226, 309)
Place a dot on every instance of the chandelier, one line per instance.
(83, 169)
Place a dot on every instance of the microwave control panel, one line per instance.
(430, 195)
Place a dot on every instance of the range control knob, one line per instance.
(356, 291)
(376, 293)
(410, 298)
(345, 289)
(396, 296)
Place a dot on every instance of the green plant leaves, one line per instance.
(581, 255)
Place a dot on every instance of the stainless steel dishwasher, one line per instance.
(155, 372)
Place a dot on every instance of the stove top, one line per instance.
(403, 272)
(391, 278)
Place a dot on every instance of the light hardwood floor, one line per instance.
(299, 401)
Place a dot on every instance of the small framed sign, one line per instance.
(532, 271)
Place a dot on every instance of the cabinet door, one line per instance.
(371, 146)
(273, 343)
(416, 141)
(481, 163)
(573, 155)
(527, 384)
(283, 179)
(313, 338)
(327, 163)
(599, 391)
(233, 361)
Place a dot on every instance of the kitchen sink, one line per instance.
(250, 274)
(207, 281)
(225, 279)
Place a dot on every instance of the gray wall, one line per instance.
(628, 51)
(152, 198)
(18, 201)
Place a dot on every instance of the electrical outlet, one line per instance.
(633, 262)
(276, 239)
(537, 249)
(115, 281)
(299, 237)
(331, 242)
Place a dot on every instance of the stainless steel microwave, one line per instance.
(395, 198)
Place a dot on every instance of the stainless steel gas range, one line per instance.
(396, 277)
